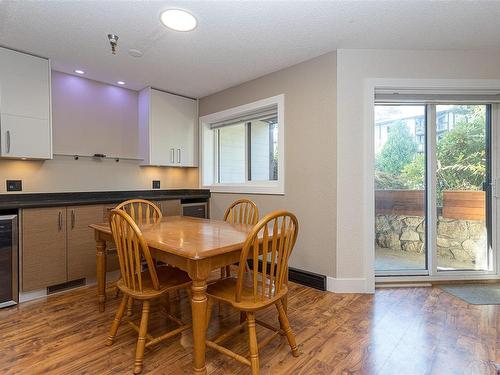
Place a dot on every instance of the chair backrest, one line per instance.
(132, 250)
(242, 211)
(271, 240)
(141, 210)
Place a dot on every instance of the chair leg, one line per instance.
(166, 303)
(117, 320)
(285, 326)
(284, 300)
(130, 306)
(222, 276)
(141, 340)
(252, 343)
(228, 271)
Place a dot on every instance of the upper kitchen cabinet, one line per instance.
(25, 121)
(167, 129)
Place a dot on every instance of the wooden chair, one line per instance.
(141, 211)
(272, 239)
(144, 286)
(242, 211)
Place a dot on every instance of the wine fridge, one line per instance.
(8, 260)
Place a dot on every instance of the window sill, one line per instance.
(246, 189)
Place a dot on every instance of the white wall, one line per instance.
(355, 70)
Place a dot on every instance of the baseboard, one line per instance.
(30, 296)
(306, 278)
(311, 279)
(347, 285)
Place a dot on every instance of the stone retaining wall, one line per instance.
(463, 240)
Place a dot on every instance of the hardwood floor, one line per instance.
(396, 331)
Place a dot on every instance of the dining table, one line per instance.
(197, 246)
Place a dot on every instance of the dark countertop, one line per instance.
(30, 200)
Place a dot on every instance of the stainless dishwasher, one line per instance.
(8, 261)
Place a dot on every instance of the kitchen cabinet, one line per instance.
(167, 129)
(81, 251)
(58, 246)
(25, 116)
(170, 207)
(43, 247)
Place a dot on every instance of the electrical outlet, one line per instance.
(156, 184)
(14, 185)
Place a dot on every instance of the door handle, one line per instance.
(73, 218)
(7, 141)
(179, 155)
(60, 220)
(172, 155)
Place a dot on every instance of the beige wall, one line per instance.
(310, 157)
(355, 68)
(91, 117)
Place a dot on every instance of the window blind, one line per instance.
(448, 96)
(262, 114)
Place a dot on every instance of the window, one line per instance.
(242, 148)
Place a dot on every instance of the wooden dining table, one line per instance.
(194, 245)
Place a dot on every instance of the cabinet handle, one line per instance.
(172, 155)
(60, 220)
(73, 218)
(178, 155)
(7, 141)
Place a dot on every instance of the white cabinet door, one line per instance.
(186, 135)
(25, 127)
(24, 84)
(172, 124)
(24, 137)
(163, 129)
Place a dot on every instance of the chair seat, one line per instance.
(170, 279)
(225, 290)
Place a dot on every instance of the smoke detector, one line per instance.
(135, 52)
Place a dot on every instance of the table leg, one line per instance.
(101, 273)
(199, 311)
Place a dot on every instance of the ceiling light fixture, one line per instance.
(113, 41)
(78, 71)
(178, 20)
(121, 83)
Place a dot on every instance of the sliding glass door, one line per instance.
(400, 181)
(462, 187)
(432, 188)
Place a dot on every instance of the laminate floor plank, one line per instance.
(403, 331)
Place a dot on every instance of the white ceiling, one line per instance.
(235, 40)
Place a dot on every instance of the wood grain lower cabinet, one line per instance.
(80, 240)
(170, 207)
(43, 247)
(58, 245)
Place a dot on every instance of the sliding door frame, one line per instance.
(493, 145)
